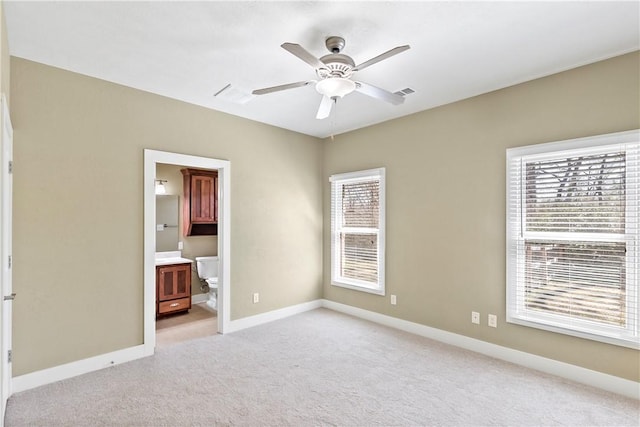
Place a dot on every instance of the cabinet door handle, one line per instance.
(175, 304)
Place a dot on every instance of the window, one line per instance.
(357, 230)
(572, 237)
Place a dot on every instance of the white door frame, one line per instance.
(151, 158)
(6, 287)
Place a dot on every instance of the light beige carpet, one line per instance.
(318, 368)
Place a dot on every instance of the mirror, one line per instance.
(167, 235)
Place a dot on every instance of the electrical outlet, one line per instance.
(393, 300)
(256, 298)
(492, 320)
(475, 317)
(180, 246)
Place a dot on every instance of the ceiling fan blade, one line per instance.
(387, 54)
(325, 108)
(280, 87)
(376, 92)
(302, 53)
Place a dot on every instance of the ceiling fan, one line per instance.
(334, 72)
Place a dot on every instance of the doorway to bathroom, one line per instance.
(186, 251)
(218, 245)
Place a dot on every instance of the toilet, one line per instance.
(208, 271)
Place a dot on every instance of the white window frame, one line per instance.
(517, 313)
(336, 219)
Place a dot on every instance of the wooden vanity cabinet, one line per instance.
(173, 288)
(200, 204)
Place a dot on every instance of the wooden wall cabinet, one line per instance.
(173, 288)
(200, 204)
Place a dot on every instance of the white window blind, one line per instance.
(357, 230)
(572, 237)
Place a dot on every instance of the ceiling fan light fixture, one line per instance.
(335, 87)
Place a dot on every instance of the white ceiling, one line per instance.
(191, 50)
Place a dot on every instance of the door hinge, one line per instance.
(9, 356)
(10, 166)
(9, 261)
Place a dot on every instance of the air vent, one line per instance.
(404, 92)
(233, 94)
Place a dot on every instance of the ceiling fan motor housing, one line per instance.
(336, 65)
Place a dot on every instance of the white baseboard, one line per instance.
(73, 369)
(80, 367)
(565, 370)
(198, 298)
(270, 316)
(575, 373)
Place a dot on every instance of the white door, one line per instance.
(6, 203)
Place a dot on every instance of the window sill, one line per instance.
(622, 342)
(358, 287)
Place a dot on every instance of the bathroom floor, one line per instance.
(200, 321)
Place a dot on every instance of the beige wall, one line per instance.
(78, 261)
(445, 199)
(78, 210)
(194, 246)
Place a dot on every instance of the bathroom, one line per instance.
(197, 316)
